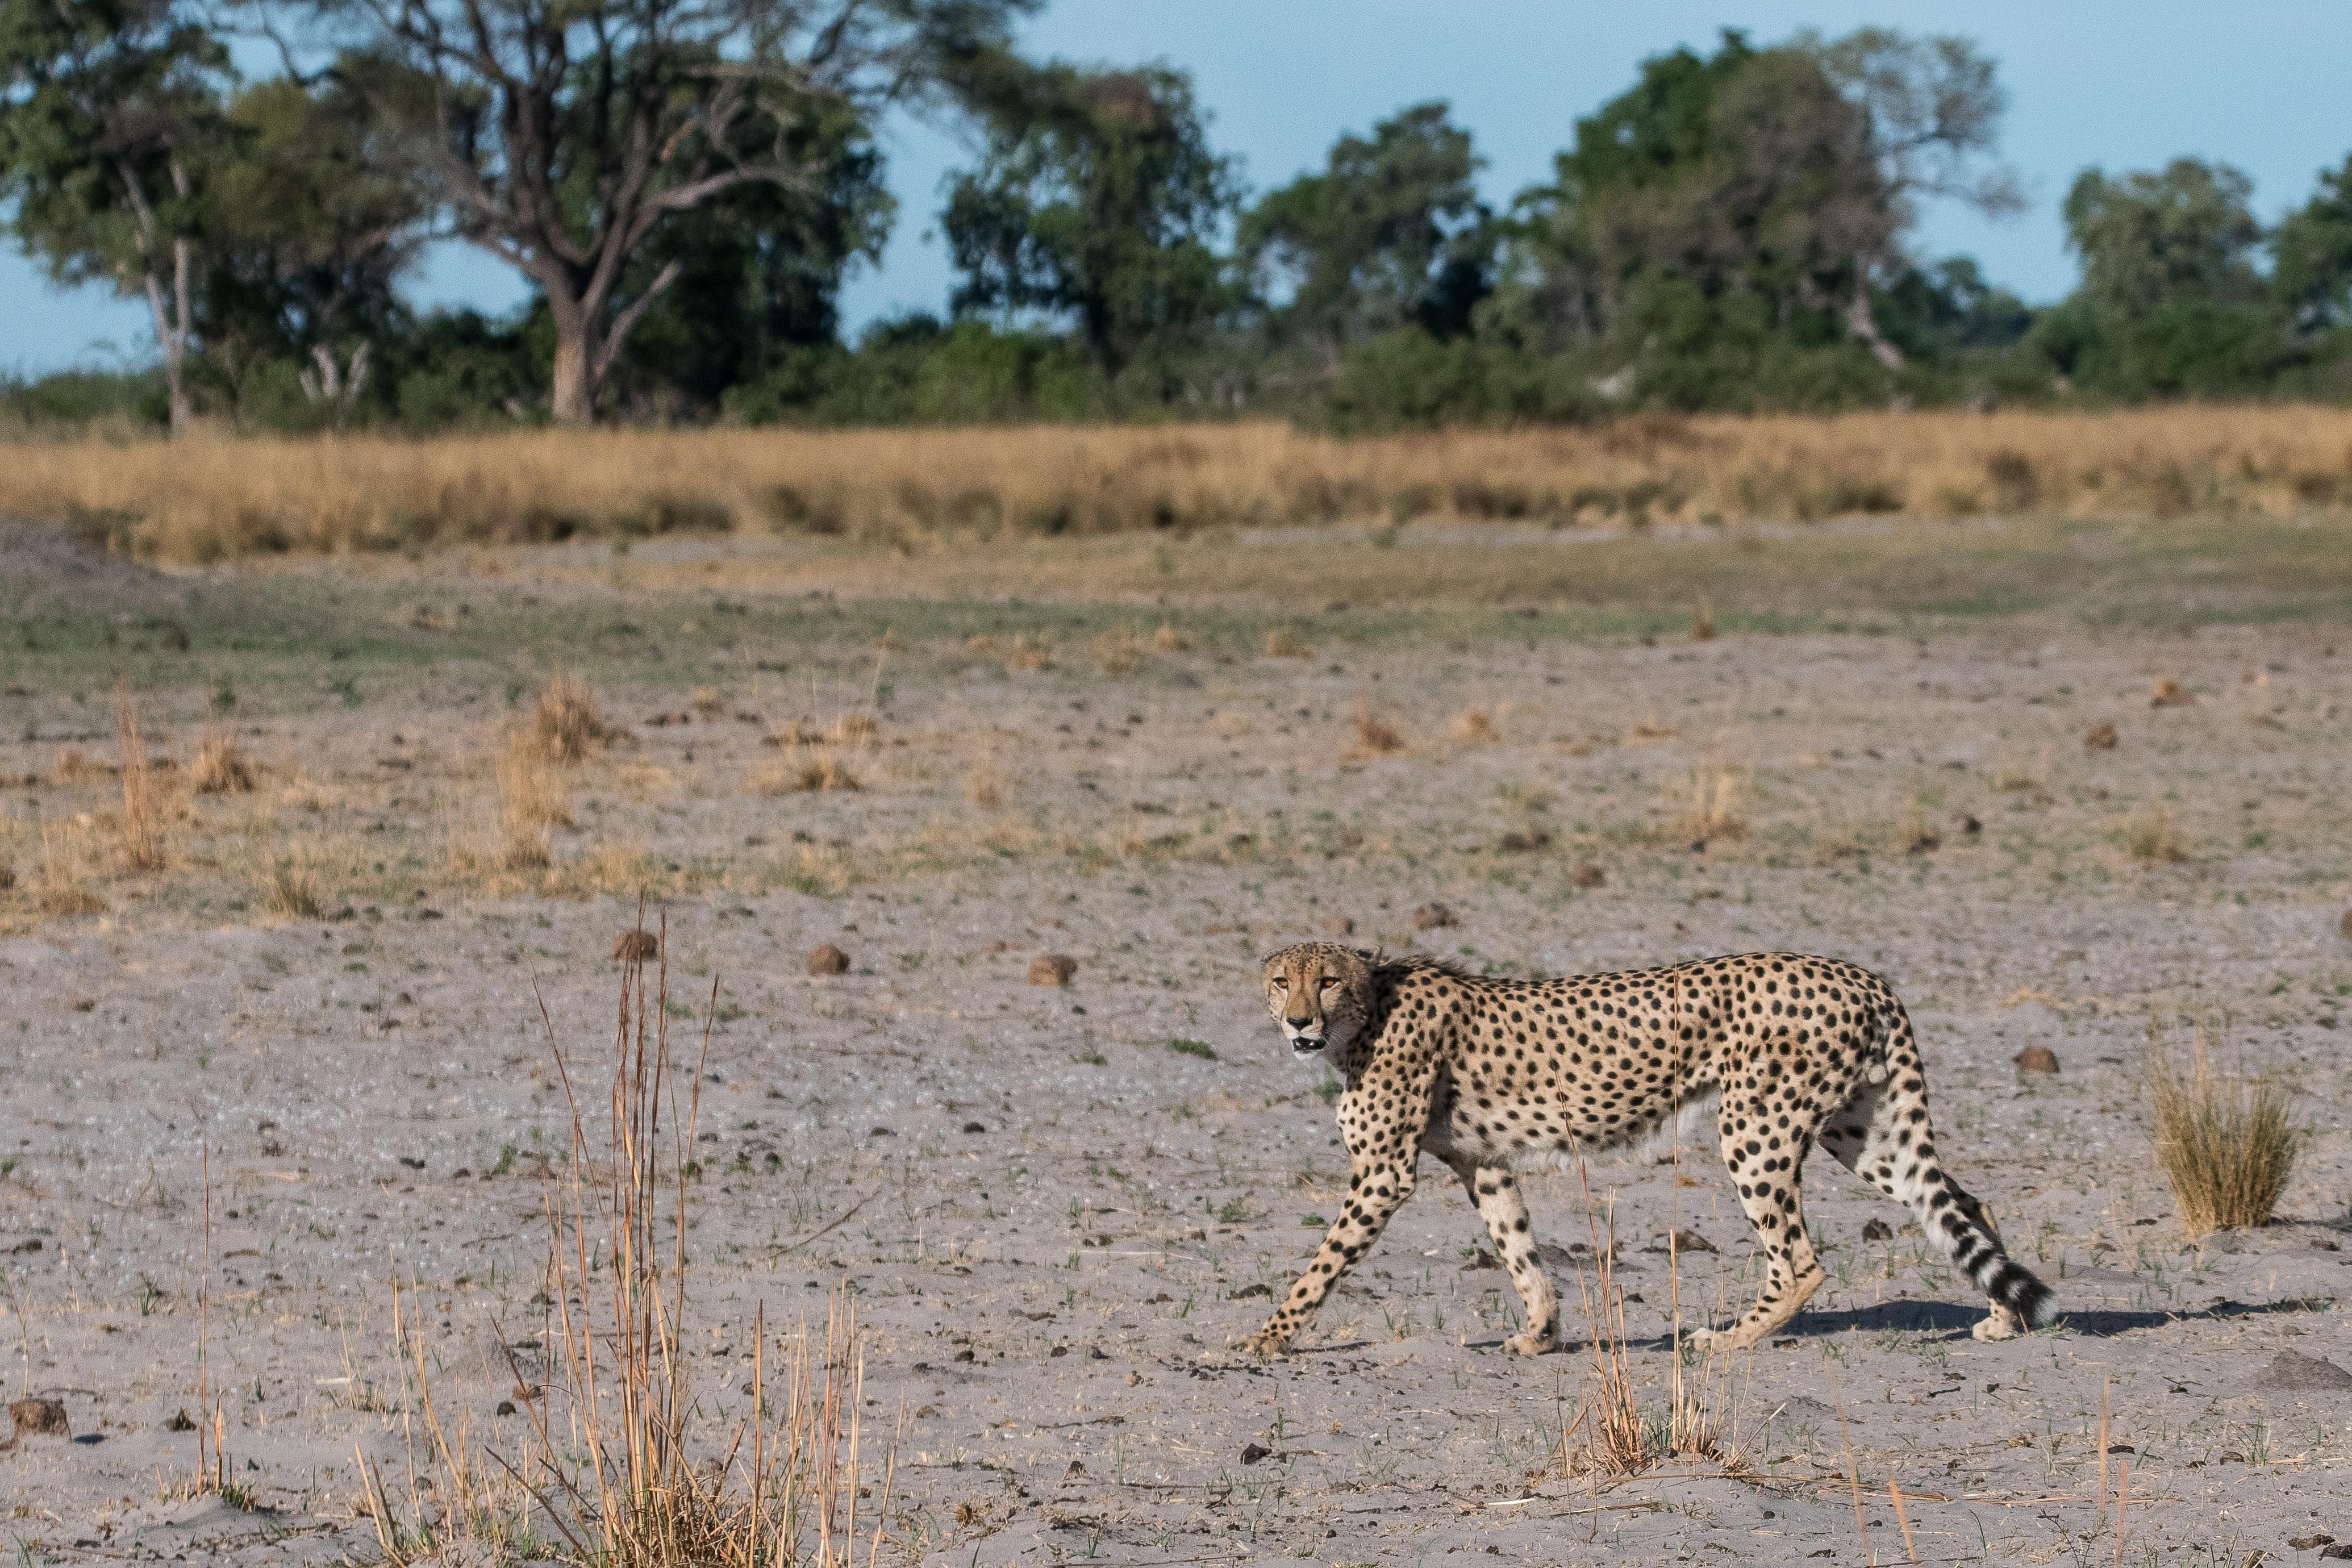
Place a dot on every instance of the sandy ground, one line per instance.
(1052, 1218)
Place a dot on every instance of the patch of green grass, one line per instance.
(1199, 1049)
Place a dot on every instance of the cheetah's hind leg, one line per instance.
(1499, 1203)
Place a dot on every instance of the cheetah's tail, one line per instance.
(1965, 1229)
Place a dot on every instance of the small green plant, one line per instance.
(1199, 1049)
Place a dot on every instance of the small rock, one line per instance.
(1052, 969)
(1338, 925)
(2306, 1543)
(1247, 1291)
(828, 960)
(2037, 1058)
(637, 947)
(506, 1407)
(2341, 1551)
(1878, 1230)
(975, 1127)
(181, 1422)
(2100, 738)
(1077, 1467)
(2287, 1373)
(1524, 843)
(1587, 875)
(2170, 694)
(1251, 1453)
(1691, 1241)
(38, 1417)
(85, 1004)
(1432, 917)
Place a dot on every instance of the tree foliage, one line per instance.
(112, 111)
(1390, 234)
(1098, 200)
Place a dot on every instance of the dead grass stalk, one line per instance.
(142, 830)
(624, 1461)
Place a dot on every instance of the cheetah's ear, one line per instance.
(1372, 956)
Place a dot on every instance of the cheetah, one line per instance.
(1486, 1074)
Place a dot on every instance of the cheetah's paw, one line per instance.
(2001, 1323)
(1264, 1342)
(1531, 1344)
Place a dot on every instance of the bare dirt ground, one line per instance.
(1054, 1205)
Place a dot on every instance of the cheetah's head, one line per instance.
(1321, 995)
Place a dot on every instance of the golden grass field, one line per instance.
(217, 498)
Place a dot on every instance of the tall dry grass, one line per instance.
(141, 826)
(620, 1460)
(208, 499)
(2227, 1146)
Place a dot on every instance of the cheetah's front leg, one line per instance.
(1376, 1188)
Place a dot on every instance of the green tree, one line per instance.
(2310, 275)
(2149, 239)
(312, 226)
(1932, 110)
(568, 136)
(760, 274)
(1391, 234)
(2171, 298)
(109, 111)
(1099, 198)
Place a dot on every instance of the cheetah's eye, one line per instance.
(1329, 981)
(1281, 983)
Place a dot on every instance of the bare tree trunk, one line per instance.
(1862, 324)
(572, 396)
(173, 341)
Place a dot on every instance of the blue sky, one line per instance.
(2260, 84)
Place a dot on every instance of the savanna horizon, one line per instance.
(206, 500)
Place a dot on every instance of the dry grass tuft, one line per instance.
(1029, 651)
(220, 767)
(141, 823)
(1284, 643)
(566, 723)
(1707, 806)
(621, 1457)
(818, 760)
(2152, 835)
(1703, 622)
(290, 891)
(2170, 694)
(532, 797)
(1167, 640)
(75, 768)
(983, 783)
(708, 702)
(1118, 650)
(2226, 1147)
(1375, 736)
(1651, 728)
(1472, 727)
